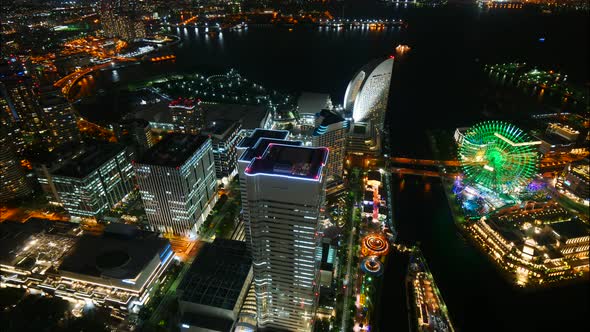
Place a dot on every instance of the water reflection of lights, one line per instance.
(374, 245)
(116, 77)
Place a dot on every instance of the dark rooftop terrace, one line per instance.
(258, 149)
(570, 229)
(250, 141)
(173, 150)
(217, 275)
(294, 161)
(220, 128)
(114, 254)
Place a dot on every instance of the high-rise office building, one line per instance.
(122, 19)
(176, 179)
(13, 183)
(94, 181)
(60, 119)
(285, 196)
(44, 118)
(250, 147)
(187, 116)
(331, 131)
(366, 101)
(224, 137)
(16, 89)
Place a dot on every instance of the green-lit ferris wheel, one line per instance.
(498, 156)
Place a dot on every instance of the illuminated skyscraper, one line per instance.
(13, 183)
(285, 196)
(248, 148)
(366, 101)
(17, 91)
(122, 19)
(45, 120)
(176, 179)
(60, 119)
(331, 131)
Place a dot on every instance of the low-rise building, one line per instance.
(215, 286)
(117, 269)
(564, 131)
(576, 180)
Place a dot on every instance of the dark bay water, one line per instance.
(477, 297)
(438, 84)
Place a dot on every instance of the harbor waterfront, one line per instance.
(471, 286)
(383, 166)
(455, 88)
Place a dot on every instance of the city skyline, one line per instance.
(314, 166)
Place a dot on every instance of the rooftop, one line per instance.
(173, 150)
(570, 229)
(311, 102)
(217, 275)
(250, 141)
(94, 156)
(14, 236)
(183, 103)
(250, 116)
(206, 322)
(582, 169)
(554, 139)
(258, 149)
(51, 100)
(328, 117)
(293, 161)
(221, 128)
(374, 175)
(116, 254)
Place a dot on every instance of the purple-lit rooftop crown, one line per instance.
(290, 161)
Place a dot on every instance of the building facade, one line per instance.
(224, 137)
(187, 116)
(250, 147)
(94, 181)
(17, 92)
(60, 118)
(13, 183)
(176, 179)
(45, 119)
(331, 131)
(285, 197)
(366, 100)
(575, 180)
(122, 19)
